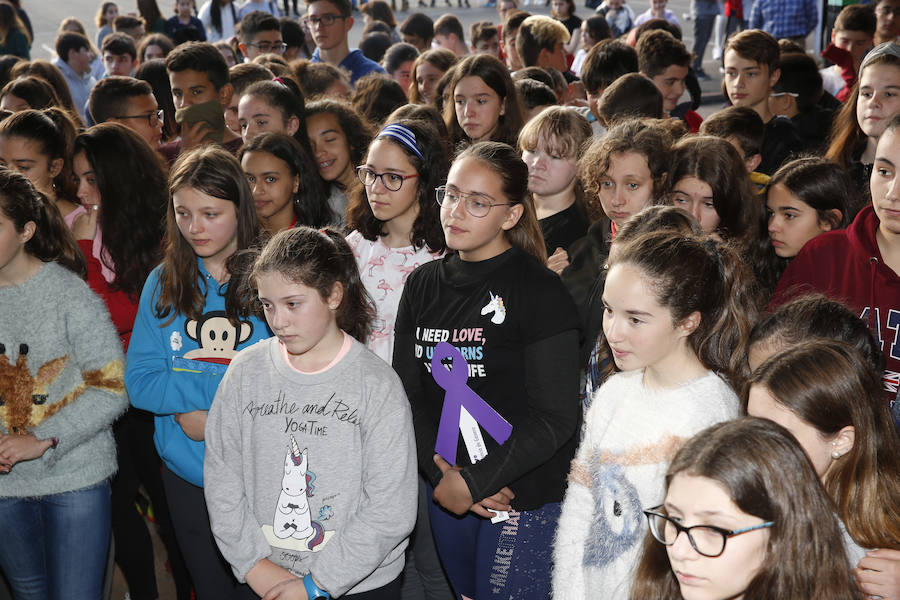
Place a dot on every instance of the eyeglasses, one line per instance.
(707, 540)
(391, 181)
(152, 118)
(326, 20)
(267, 47)
(477, 205)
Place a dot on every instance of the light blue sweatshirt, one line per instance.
(176, 367)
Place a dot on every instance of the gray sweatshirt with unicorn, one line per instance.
(316, 472)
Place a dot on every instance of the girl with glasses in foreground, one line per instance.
(510, 329)
(744, 518)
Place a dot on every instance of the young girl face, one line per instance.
(702, 501)
(272, 183)
(879, 98)
(792, 222)
(427, 77)
(627, 186)
(696, 197)
(110, 14)
(256, 115)
(184, 8)
(88, 192)
(302, 319)
(12, 243)
(153, 51)
(208, 224)
(639, 330)
(400, 205)
(587, 40)
(478, 108)
(330, 146)
(549, 171)
(477, 238)
(560, 9)
(761, 403)
(24, 155)
(403, 75)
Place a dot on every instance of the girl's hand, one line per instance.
(16, 448)
(878, 573)
(558, 261)
(499, 501)
(193, 424)
(452, 492)
(85, 226)
(289, 589)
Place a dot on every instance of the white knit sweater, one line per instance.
(631, 434)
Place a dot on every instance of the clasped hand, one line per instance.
(453, 493)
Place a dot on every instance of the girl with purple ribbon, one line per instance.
(486, 342)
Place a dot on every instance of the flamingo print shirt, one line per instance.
(384, 271)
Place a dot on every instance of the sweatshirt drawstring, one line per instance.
(873, 263)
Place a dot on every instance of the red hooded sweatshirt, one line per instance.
(846, 265)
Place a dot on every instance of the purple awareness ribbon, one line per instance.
(458, 394)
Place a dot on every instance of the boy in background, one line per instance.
(260, 34)
(751, 71)
(604, 63)
(852, 37)
(119, 54)
(796, 95)
(484, 38)
(666, 61)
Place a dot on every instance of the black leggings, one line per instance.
(139, 465)
(212, 576)
(286, 7)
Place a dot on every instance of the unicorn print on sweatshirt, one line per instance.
(293, 526)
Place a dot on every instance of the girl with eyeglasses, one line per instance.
(676, 317)
(394, 217)
(511, 332)
(743, 518)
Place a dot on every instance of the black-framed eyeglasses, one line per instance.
(327, 20)
(391, 181)
(707, 540)
(152, 118)
(267, 47)
(478, 205)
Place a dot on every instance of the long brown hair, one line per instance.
(694, 274)
(496, 76)
(319, 259)
(503, 160)
(132, 209)
(441, 59)
(846, 135)
(767, 475)
(830, 385)
(20, 202)
(215, 172)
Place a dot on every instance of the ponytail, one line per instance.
(319, 259)
(693, 274)
(54, 132)
(506, 163)
(52, 240)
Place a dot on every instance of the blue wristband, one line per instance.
(312, 590)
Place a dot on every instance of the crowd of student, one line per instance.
(491, 319)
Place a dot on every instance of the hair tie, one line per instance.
(279, 81)
(404, 135)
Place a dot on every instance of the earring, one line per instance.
(835, 454)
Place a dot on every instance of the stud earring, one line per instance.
(835, 454)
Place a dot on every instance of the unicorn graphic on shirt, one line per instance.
(495, 306)
(292, 513)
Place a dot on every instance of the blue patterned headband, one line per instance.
(404, 135)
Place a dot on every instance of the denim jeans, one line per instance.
(55, 547)
(703, 28)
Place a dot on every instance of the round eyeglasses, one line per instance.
(391, 181)
(477, 205)
(707, 540)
